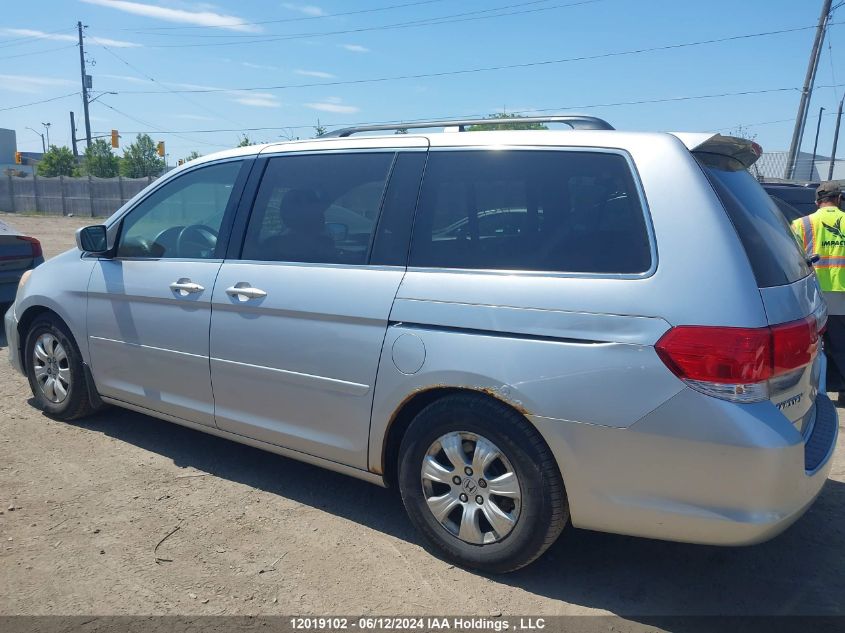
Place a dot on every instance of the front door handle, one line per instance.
(184, 287)
(243, 291)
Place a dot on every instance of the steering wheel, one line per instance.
(195, 240)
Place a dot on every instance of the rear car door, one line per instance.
(299, 317)
(149, 306)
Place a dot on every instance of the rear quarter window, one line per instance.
(774, 253)
(532, 210)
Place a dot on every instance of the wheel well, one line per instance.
(24, 323)
(407, 412)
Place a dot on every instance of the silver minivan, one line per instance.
(518, 329)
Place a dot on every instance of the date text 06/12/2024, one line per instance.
(375, 623)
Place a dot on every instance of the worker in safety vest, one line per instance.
(823, 234)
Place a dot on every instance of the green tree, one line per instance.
(320, 129)
(99, 160)
(245, 141)
(193, 155)
(57, 161)
(141, 159)
(516, 125)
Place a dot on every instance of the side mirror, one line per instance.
(93, 239)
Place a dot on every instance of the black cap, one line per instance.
(828, 190)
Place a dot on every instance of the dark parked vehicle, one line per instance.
(18, 253)
(789, 212)
(800, 198)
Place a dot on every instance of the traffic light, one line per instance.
(160, 148)
(181, 162)
(18, 158)
(115, 139)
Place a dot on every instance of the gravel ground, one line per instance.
(125, 514)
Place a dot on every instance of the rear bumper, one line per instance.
(10, 326)
(696, 469)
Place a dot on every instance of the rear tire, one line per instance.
(55, 372)
(502, 505)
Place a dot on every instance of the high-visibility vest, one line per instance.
(823, 234)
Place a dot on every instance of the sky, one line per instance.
(197, 74)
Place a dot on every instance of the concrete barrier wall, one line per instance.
(86, 196)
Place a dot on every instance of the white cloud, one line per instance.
(60, 37)
(193, 117)
(258, 66)
(244, 97)
(331, 105)
(315, 73)
(32, 83)
(258, 100)
(196, 18)
(355, 48)
(307, 9)
(129, 78)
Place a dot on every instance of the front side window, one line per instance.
(183, 218)
(318, 208)
(557, 211)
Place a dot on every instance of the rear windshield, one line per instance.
(773, 251)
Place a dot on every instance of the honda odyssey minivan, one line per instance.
(518, 329)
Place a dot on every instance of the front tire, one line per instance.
(480, 484)
(55, 372)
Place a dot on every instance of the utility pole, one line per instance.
(73, 137)
(806, 92)
(47, 127)
(835, 140)
(85, 81)
(816, 144)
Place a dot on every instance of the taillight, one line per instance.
(794, 345)
(737, 363)
(34, 245)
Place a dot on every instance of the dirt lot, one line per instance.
(84, 506)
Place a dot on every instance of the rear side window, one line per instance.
(774, 253)
(319, 208)
(556, 211)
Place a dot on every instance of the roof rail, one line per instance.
(575, 121)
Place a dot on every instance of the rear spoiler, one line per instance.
(740, 149)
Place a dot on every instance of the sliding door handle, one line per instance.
(242, 291)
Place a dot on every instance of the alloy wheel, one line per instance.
(51, 367)
(471, 488)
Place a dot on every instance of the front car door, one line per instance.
(149, 306)
(299, 319)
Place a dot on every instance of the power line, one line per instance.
(418, 22)
(297, 19)
(27, 38)
(790, 120)
(466, 71)
(830, 51)
(156, 129)
(155, 81)
(258, 39)
(24, 105)
(48, 50)
(480, 117)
